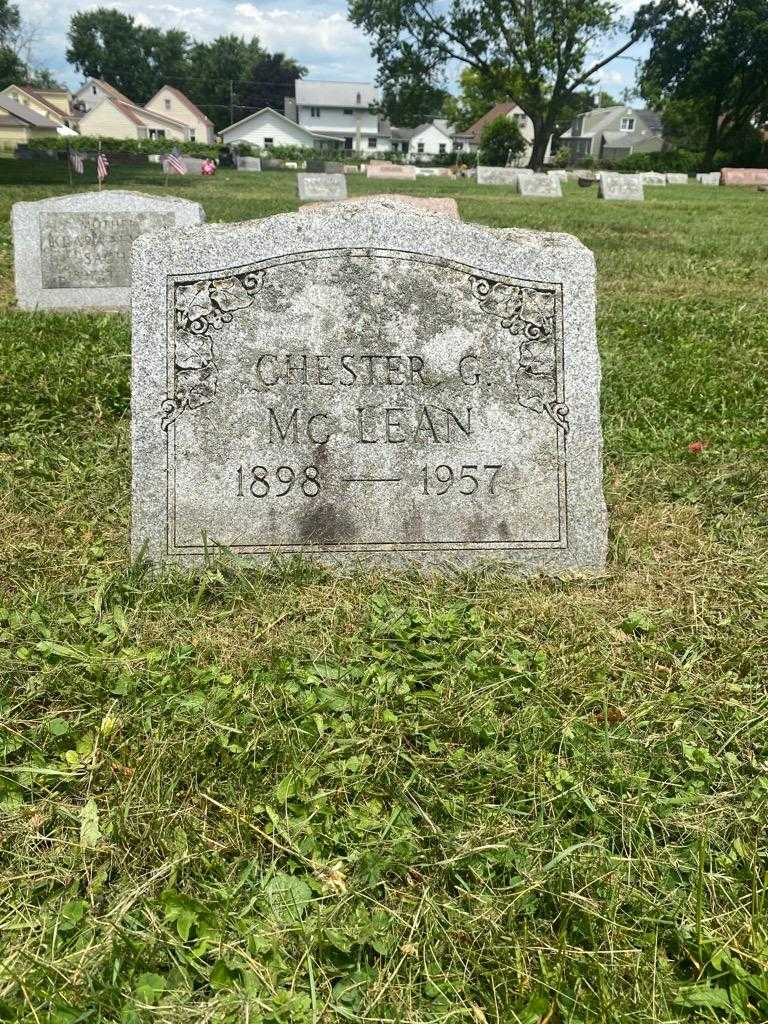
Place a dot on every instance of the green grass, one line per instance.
(292, 795)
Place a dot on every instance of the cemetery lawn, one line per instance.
(294, 795)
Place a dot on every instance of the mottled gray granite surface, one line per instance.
(547, 185)
(249, 163)
(371, 383)
(323, 187)
(74, 252)
(620, 186)
(444, 205)
(496, 175)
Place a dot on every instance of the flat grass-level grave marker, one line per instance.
(74, 252)
(321, 187)
(620, 186)
(367, 382)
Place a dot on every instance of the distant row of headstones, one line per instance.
(297, 387)
(611, 184)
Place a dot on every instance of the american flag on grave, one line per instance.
(174, 163)
(76, 161)
(102, 166)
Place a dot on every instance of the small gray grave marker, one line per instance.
(323, 187)
(539, 185)
(620, 186)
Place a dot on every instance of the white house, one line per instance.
(92, 92)
(340, 110)
(267, 128)
(433, 138)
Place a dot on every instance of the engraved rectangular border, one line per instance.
(172, 548)
(166, 220)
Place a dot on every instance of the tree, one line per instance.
(500, 142)
(479, 91)
(105, 43)
(16, 40)
(711, 56)
(412, 95)
(542, 43)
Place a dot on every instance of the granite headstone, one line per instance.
(744, 176)
(620, 186)
(443, 205)
(653, 178)
(73, 252)
(378, 169)
(496, 175)
(249, 163)
(677, 179)
(539, 185)
(325, 187)
(371, 382)
(708, 177)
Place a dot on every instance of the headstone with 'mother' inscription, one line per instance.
(74, 252)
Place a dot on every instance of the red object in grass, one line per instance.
(697, 447)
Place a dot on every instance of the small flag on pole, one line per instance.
(76, 161)
(174, 163)
(102, 167)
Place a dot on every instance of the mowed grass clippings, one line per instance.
(295, 795)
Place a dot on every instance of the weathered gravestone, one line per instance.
(620, 186)
(434, 172)
(653, 178)
(332, 168)
(708, 177)
(539, 185)
(443, 205)
(376, 169)
(677, 179)
(326, 187)
(745, 176)
(249, 163)
(558, 173)
(74, 252)
(370, 382)
(496, 175)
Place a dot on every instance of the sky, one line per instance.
(314, 32)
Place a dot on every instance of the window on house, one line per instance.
(314, 111)
(191, 134)
(93, 89)
(373, 142)
(520, 118)
(347, 143)
(627, 124)
(157, 133)
(358, 100)
(420, 147)
(458, 146)
(348, 111)
(167, 104)
(268, 143)
(441, 147)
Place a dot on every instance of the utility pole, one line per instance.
(231, 102)
(357, 132)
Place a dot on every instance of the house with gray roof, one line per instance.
(340, 110)
(610, 133)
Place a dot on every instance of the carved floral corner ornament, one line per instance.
(200, 308)
(528, 314)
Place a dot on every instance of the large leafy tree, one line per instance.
(709, 59)
(105, 43)
(500, 142)
(542, 44)
(12, 67)
(413, 93)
